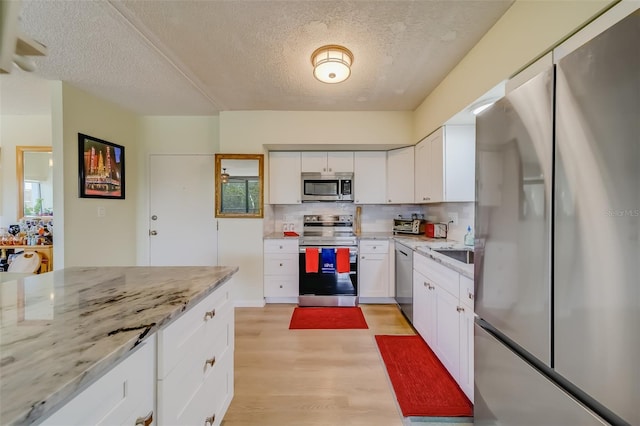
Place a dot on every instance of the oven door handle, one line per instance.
(352, 250)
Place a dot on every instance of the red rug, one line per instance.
(328, 318)
(423, 386)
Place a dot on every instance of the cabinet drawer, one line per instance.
(442, 276)
(281, 246)
(467, 290)
(374, 246)
(283, 264)
(176, 390)
(119, 397)
(210, 399)
(179, 338)
(281, 286)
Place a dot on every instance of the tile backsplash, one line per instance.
(375, 218)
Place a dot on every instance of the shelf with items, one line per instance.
(45, 252)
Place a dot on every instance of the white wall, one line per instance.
(90, 240)
(528, 29)
(16, 130)
(168, 135)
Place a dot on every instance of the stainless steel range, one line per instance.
(326, 277)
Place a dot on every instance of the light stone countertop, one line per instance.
(418, 243)
(426, 246)
(61, 331)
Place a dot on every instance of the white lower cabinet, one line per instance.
(281, 259)
(443, 316)
(424, 310)
(195, 363)
(182, 375)
(373, 271)
(123, 396)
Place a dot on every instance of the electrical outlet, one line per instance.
(453, 217)
(292, 226)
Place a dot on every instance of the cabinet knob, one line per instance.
(280, 285)
(426, 285)
(146, 420)
(330, 169)
(362, 258)
(210, 420)
(389, 200)
(470, 295)
(280, 247)
(210, 361)
(209, 314)
(280, 264)
(459, 309)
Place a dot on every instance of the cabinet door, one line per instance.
(465, 378)
(340, 162)
(373, 275)
(424, 308)
(284, 178)
(459, 163)
(436, 169)
(447, 345)
(314, 162)
(370, 177)
(121, 396)
(422, 168)
(400, 176)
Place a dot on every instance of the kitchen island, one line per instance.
(62, 331)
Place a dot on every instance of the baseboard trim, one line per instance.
(281, 299)
(374, 300)
(249, 303)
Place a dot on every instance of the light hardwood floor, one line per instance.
(312, 377)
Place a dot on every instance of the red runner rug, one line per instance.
(327, 318)
(423, 386)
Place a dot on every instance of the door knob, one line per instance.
(151, 232)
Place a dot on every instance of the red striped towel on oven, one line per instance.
(342, 260)
(311, 259)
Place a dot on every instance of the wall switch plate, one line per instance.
(453, 217)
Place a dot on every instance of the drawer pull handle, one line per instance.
(209, 314)
(459, 309)
(210, 362)
(146, 420)
(210, 420)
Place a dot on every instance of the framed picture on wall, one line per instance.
(101, 168)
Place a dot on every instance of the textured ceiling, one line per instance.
(186, 57)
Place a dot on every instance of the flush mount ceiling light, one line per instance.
(224, 176)
(332, 63)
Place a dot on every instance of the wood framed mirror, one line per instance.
(239, 180)
(34, 175)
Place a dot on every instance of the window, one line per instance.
(241, 195)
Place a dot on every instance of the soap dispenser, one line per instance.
(468, 237)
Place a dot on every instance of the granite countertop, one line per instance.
(62, 330)
(425, 246)
(418, 243)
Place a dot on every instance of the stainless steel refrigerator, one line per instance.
(557, 335)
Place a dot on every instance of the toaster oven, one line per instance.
(408, 226)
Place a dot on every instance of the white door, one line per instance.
(182, 225)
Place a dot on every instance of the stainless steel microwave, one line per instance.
(321, 187)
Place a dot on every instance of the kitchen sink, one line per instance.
(464, 256)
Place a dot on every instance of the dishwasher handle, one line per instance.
(403, 252)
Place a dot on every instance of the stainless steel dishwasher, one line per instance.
(404, 280)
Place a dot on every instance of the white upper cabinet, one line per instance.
(284, 178)
(327, 162)
(445, 165)
(370, 177)
(400, 176)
